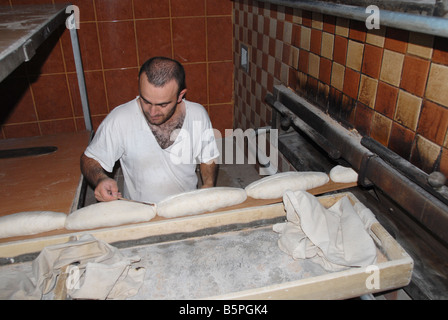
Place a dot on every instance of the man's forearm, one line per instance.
(209, 172)
(92, 170)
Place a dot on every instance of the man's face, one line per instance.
(159, 103)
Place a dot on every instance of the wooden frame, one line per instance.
(394, 265)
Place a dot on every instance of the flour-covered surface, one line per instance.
(218, 264)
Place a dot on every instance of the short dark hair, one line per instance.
(160, 70)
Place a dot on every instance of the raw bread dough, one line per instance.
(30, 222)
(199, 201)
(343, 174)
(107, 214)
(273, 187)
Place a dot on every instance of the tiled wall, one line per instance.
(116, 37)
(389, 84)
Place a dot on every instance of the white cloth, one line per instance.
(102, 272)
(150, 172)
(335, 238)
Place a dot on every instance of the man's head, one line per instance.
(160, 70)
(162, 87)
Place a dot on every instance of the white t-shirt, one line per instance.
(150, 172)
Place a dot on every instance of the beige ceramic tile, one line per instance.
(317, 22)
(305, 38)
(297, 16)
(428, 151)
(342, 26)
(376, 37)
(420, 44)
(391, 67)
(337, 76)
(381, 127)
(327, 45)
(313, 65)
(437, 87)
(408, 109)
(354, 55)
(367, 91)
(294, 57)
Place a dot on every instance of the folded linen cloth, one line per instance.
(102, 272)
(336, 238)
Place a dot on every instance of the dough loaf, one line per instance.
(108, 214)
(273, 187)
(30, 222)
(343, 174)
(200, 201)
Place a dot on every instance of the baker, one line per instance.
(159, 138)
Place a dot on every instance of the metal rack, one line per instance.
(24, 28)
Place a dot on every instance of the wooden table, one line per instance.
(44, 182)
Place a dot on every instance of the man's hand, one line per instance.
(107, 190)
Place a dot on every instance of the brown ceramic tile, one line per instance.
(21, 130)
(17, 102)
(220, 82)
(415, 73)
(386, 99)
(189, 39)
(355, 52)
(313, 65)
(367, 91)
(57, 126)
(408, 109)
(340, 49)
(95, 92)
(325, 70)
(391, 67)
(150, 46)
(433, 123)
(89, 47)
(118, 47)
(51, 97)
(363, 118)
(295, 37)
(440, 53)
(437, 87)
(219, 7)
(121, 86)
(111, 10)
(329, 23)
(303, 61)
(48, 57)
(401, 140)
(307, 17)
(351, 83)
(357, 30)
(196, 79)
(381, 127)
(396, 40)
(221, 116)
(371, 63)
(316, 40)
(181, 8)
(151, 9)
